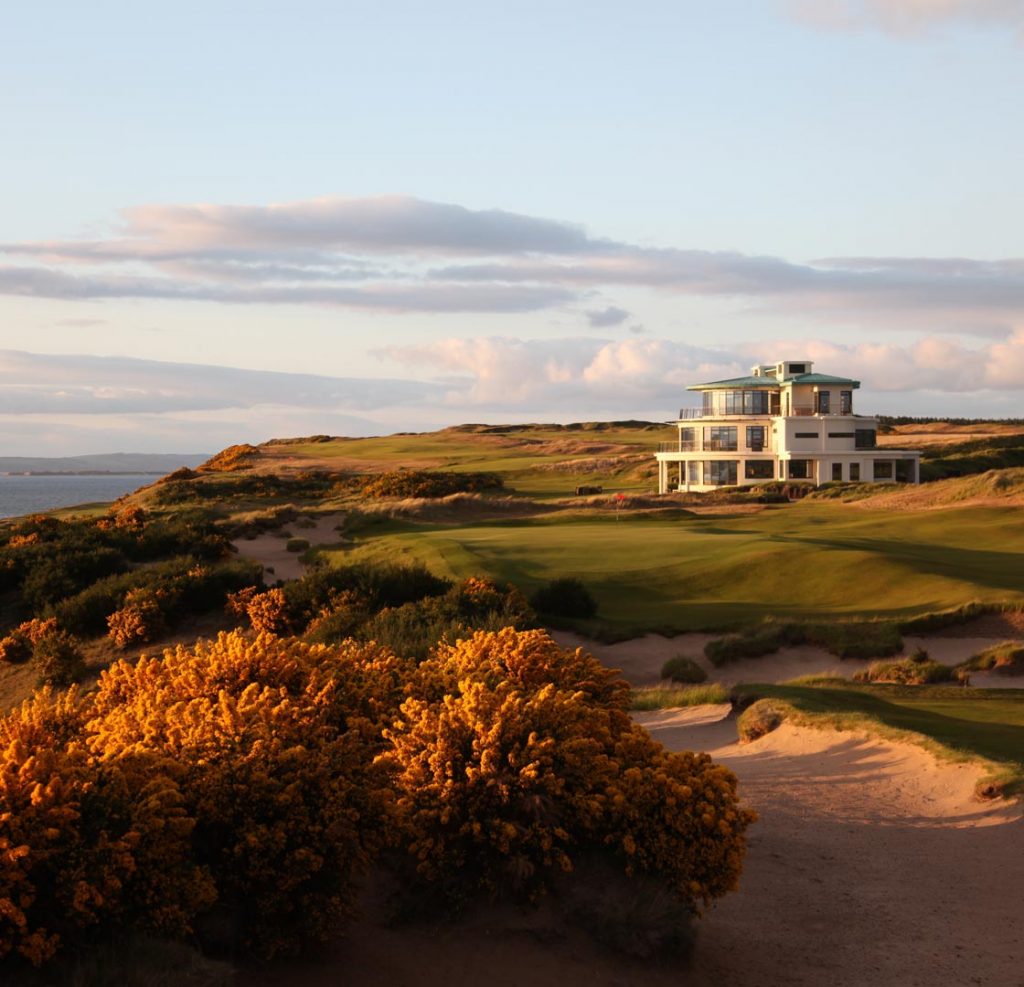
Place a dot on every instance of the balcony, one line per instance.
(677, 447)
(719, 445)
(686, 414)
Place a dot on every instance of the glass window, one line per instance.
(686, 438)
(798, 368)
(720, 472)
(755, 438)
(720, 438)
(805, 435)
(799, 469)
(748, 402)
(693, 472)
(883, 469)
(759, 469)
(865, 438)
(846, 402)
(837, 471)
(824, 400)
(840, 435)
(855, 472)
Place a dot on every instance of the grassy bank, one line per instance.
(953, 722)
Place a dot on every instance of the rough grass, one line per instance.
(1006, 657)
(670, 697)
(953, 722)
(683, 671)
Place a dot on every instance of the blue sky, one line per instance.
(227, 221)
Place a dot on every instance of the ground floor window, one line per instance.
(883, 469)
(800, 469)
(720, 472)
(759, 469)
(837, 471)
(855, 472)
(693, 472)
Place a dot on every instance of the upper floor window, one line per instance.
(846, 402)
(720, 438)
(865, 438)
(824, 401)
(687, 439)
(736, 402)
(755, 438)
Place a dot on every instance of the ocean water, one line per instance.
(29, 494)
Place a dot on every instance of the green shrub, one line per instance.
(684, 670)
(917, 669)
(566, 597)
(58, 660)
(297, 544)
(759, 719)
(870, 639)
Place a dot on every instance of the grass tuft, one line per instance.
(670, 697)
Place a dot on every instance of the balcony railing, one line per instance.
(719, 445)
(688, 413)
(677, 447)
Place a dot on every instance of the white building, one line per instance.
(783, 422)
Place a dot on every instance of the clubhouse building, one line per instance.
(783, 422)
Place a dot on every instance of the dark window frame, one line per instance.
(759, 474)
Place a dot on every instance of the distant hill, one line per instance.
(114, 462)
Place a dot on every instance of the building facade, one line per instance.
(783, 422)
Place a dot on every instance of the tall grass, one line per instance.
(669, 697)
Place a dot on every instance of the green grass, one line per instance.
(805, 561)
(670, 697)
(954, 722)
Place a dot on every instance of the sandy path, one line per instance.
(271, 549)
(871, 864)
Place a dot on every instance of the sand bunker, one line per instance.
(271, 549)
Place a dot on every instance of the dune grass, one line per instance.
(806, 561)
(953, 722)
(672, 696)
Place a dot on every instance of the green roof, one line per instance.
(736, 383)
(748, 383)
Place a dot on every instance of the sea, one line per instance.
(31, 494)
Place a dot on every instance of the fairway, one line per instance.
(808, 560)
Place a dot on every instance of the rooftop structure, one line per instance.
(782, 422)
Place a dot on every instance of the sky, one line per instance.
(225, 222)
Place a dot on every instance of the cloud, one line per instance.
(906, 18)
(610, 316)
(44, 384)
(401, 254)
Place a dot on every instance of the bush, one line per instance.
(566, 597)
(520, 757)
(684, 670)
(264, 739)
(297, 544)
(756, 720)
(421, 483)
(870, 639)
(267, 612)
(138, 621)
(58, 660)
(918, 669)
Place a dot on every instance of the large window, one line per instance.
(846, 402)
(736, 402)
(865, 438)
(755, 438)
(720, 438)
(855, 472)
(693, 472)
(759, 469)
(687, 439)
(720, 472)
(883, 469)
(824, 402)
(800, 469)
(837, 471)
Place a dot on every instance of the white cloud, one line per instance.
(401, 254)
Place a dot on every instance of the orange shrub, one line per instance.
(268, 612)
(82, 843)
(513, 756)
(139, 620)
(274, 767)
